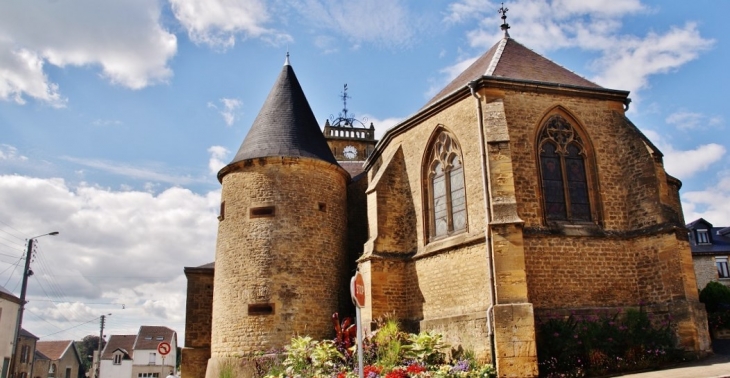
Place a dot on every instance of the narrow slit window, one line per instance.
(222, 214)
(323, 207)
(261, 309)
(263, 212)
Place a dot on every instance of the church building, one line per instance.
(521, 191)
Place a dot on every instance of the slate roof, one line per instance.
(149, 337)
(510, 59)
(719, 237)
(285, 125)
(54, 350)
(123, 342)
(26, 334)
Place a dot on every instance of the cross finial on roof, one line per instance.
(505, 25)
(286, 62)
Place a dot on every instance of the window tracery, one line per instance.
(445, 188)
(563, 156)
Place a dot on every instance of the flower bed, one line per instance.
(388, 353)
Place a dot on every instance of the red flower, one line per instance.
(371, 369)
(415, 369)
(397, 373)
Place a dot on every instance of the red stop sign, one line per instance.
(357, 290)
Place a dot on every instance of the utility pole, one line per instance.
(23, 290)
(97, 364)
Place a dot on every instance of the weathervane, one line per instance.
(344, 119)
(505, 25)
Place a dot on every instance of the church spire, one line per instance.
(505, 25)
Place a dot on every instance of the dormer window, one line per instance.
(118, 359)
(703, 237)
(160, 338)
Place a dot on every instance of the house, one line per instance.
(57, 359)
(710, 251)
(137, 356)
(9, 305)
(521, 191)
(24, 354)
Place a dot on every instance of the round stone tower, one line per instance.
(280, 255)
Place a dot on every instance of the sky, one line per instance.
(115, 117)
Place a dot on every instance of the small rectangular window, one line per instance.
(261, 309)
(323, 207)
(262, 212)
(703, 237)
(722, 269)
(153, 358)
(160, 338)
(222, 214)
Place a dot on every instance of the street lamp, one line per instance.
(26, 273)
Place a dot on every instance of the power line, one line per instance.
(70, 328)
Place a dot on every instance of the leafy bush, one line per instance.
(598, 345)
(715, 296)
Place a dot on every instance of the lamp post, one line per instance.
(24, 288)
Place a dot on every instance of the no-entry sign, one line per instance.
(163, 348)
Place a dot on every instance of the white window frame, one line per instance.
(703, 236)
(722, 267)
(153, 358)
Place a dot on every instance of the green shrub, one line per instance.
(715, 296)
(598, 345)
(388, 344)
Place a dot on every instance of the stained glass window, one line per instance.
(563, 172)
(446, 191)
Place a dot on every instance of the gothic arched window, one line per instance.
(563, 172)
(445, 188)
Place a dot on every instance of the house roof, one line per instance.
(6, 294)
(285, 125)
(151, 336)
(40, 356)
(53, 349)
(26, 334)
(511, 60)
(720, 240)
(123, 342)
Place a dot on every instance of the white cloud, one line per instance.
(22, 75)
(217, 22)
(387, 23)
(154, 174)
(127, 247)
(449, 73)
(10, 153)
(624, 62)
(106, 122)
(629, 61)
(712, 204)
(684, 120)
(217, 154)
(230, 106)
(123, 38)
(684, 164)
(382, 125)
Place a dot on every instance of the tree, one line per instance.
(86, 348)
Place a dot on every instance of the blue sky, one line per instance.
(116, 115)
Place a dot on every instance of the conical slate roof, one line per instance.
(285, 125)
(511, 60)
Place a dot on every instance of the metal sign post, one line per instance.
(357, 291)
(163, 348)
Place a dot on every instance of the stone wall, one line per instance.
(280, 254)
(705, 270)
(198, 317)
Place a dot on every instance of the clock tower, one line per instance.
(349, 139)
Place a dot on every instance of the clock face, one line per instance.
(350, 152)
